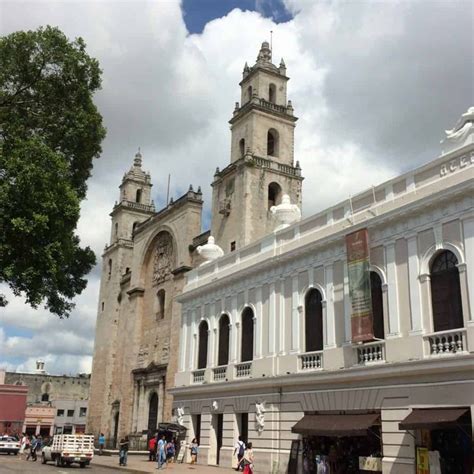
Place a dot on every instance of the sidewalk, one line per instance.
(140, 464)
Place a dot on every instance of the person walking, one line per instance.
(247, 460)
(239, 451)
(123, 453)
(194, 451)
(24, 444)
(35, 448)
(160, 452)
(30, 452)
(101, 443)
(170, 450)
(152, 449)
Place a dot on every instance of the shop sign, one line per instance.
(422, 461)
(358, 266)
(370, 464)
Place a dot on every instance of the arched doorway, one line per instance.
(153, 413)
(247, 335)
(314, 321)
(446, 292)
(116, 427)
(377, 305)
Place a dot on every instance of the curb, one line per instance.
(119, 468)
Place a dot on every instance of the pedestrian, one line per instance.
(35, 448)
(123, 453)
(24, 444)
(247, 460)
(101, 443)
(30, 452)
(239, 451)
(170, 450)
(152, 449)
(160, 452)
(194, 451)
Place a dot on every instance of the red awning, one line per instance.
(432, 418)
(336, 425)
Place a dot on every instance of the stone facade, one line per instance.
(411, 220)
(61, 400)
(138, 320)
(137, 332)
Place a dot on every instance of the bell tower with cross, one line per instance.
(262, 166)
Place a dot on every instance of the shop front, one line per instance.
(340, 443)
(443, 439)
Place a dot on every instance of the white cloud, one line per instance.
(373, 85)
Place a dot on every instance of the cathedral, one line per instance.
(149, 253)
(343, 342)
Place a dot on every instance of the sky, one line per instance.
(374, 84)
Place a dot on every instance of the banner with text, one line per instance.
(358, 265)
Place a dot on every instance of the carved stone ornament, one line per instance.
(162, 262)
(180, 415)
(285, 213)
(142, 355)
(209, 251)
(260, 416)
(165, 352)
(215, 405)
(460, 134)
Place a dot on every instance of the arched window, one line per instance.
(202, 348)
(314, 320)
(272, 142)
(249, 93)
(153, 413)
(116, 229)
(242, 146)
(138, 196)
(271, 93)
(110, 267)
(274, 194)
(224, 332)
(446, 292)
(45, 397)
(161, 298)
(247, 335)
(377, 305)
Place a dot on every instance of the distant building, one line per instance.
(12, 406)
(59, 401)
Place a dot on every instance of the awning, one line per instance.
(336, 425)
(432, 418)
(173, 427)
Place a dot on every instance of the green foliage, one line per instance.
(50, 132)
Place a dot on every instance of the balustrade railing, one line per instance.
(243, 370)
(311, 360)
(370, 353)
(198, 376)
(271, 106)
(445, 342)
(219, 373)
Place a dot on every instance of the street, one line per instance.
(15, 464)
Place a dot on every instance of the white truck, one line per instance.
(67, 449)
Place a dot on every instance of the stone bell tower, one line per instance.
(262, 166)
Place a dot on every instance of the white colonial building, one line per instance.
(265, 343)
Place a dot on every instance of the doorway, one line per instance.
(220, 432)
(153, 413)
(116, 426)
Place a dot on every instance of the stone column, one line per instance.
(468, 232)
(161, 400)
(258, 323)
(414, 285)
(193, 342)
(183, 341)
(330, 323)
(213, 320)
(272, 335)
(282, 341)
(393, 315)
(295, 315)
(234, 334)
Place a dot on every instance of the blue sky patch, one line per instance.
(197, 13)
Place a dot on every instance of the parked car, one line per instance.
(9, 444)
(65, 450)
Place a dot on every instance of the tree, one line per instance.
(50, 132)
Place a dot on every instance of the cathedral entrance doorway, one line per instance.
(153, 413)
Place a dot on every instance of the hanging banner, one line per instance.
(358, 266)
